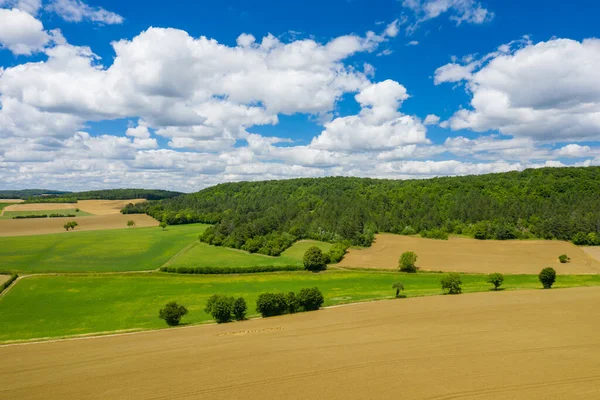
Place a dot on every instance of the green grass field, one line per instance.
(3, 205)
(205, 255)
(116, 250)
(11, 214)
(55, 306)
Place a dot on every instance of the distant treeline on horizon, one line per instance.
(54, 196)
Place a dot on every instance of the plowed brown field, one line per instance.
(96, 207)
(24, 227)
(508, 345)
(470, 255)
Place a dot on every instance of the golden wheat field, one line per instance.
(527, 345)
(24, 227)
(476, 256)
(96, 207)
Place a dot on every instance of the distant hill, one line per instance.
(27, 193)
(42, 195)
(544, 203)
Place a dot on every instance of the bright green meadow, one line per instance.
(56, 306)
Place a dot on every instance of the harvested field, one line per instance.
(593, 251)
(474, 256)
(96, 207)
(476, 346)
(4, 278)
(25, 227)
(11, 200)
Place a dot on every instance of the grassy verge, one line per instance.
(205, 255)
(96, 251)
(56, 306)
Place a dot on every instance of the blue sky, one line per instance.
(183, 95)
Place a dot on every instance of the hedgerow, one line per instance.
(230, 270)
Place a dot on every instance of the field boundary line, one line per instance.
(179, 253)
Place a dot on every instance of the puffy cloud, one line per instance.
(469, 11)
(431, 119)
(30, 6)
(20, 32)
(378, 126)
(78, 11)
(549, 91)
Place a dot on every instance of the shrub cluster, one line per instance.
(62, 215)
(272, 304)
(13, 277)
(31, 216)
(230, 270)
(70, 225)
(226, 309)
(563, 258)
(314, 260)
(547, 276)
(435, 234)
(452, 283)
(336, 253)
(172, 313)
(591, 239)
(407, 262)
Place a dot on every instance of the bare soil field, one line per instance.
(519, 345)
(11, 200)
(593, 251)
(475, 256)
(24, 227)
(96, 207)
(4, 278)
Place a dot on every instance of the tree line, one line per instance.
(41, 196)
(548, 203)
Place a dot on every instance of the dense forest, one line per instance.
(561, 203)
(107, 194)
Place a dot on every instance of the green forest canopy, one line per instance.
(561, 203)
(49, 196)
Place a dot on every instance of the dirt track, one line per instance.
(96, 207)
(517, 345)
(470, 255)
(24, 227)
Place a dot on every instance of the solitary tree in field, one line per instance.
(172, 313)
(398, 286)
(67, 226)
(547, 277)
(314, 260)
(496, 279)
(163, 225)
(452, 283)
(130, 223)
(70, 225)
(407, 262)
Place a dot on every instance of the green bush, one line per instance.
(172, 313)
(336, 253)
(220, 307)
(314, 260)
(452, 283)
(496, 279)
(31, 216)
(407, 262)
(271, 304)
(293, 305)
(434, 234)
(239, 309)
(310, 299)
(563, 258)
(547, 276)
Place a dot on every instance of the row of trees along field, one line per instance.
(108, 194)
(544, 203)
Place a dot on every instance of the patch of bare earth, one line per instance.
(24, 227)
(508, 345)
(476, 256)
(4, 278)
(11, 200)
(593, 251)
